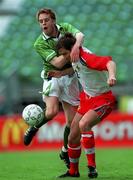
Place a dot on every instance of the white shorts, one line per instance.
(66, 88)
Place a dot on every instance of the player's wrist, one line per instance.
(77, 45)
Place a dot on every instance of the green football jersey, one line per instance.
(45, 46)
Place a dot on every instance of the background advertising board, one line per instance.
(115, 131)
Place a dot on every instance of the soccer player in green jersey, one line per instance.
(65, 88)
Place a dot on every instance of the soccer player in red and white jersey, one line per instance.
(96, 102)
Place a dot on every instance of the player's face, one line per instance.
(47, 24)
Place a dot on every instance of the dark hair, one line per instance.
(46, 11)
(67, 41)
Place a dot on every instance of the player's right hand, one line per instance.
(111, 81)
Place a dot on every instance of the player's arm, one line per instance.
(100, 63)
(60, 61)
(79, 40)
(58, 74)
(111, 67)
(50, 55)
(68, 71)
(94, 61)
(75, 50)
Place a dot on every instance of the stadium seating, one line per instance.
(107, 27)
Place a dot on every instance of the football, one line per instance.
(32, 114)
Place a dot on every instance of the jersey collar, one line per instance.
(46, 37)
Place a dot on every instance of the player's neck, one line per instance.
(55, 33)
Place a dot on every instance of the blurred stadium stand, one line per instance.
(107, 26)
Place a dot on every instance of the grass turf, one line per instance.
(112, 164)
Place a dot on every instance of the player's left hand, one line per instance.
(111, 81)
(74, 53)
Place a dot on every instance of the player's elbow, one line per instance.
(80, 38)
(35, 45)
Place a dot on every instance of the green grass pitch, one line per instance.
(112, 164)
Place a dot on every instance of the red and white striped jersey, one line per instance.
(92, 73)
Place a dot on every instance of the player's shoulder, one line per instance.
(64, 24)
(64, 27)
(85, 50)
(39, 41)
